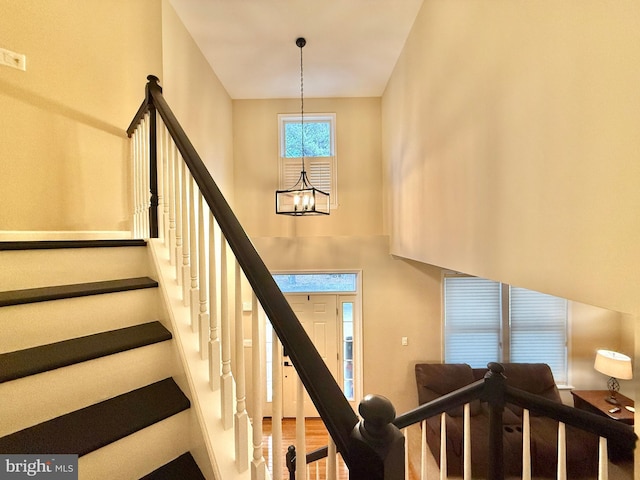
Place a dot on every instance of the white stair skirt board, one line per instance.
(83, 384)
(23, 326)
(140, 453)
(26, 235)
(205, 402)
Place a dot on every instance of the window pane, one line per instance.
(472, 320)
(538, 330)
(347, 341)
(316, 282)
(317, 139)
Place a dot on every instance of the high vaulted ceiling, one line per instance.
(352, 45)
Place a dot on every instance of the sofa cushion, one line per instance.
(437, 379)
(535, 378)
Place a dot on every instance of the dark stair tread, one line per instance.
(55, 244)
(57, 292)
(184, 467)
(31, 361)
(95, 426)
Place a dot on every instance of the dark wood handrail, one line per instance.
(322, 388)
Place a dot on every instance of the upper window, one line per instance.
(488, 321)
(319, 151)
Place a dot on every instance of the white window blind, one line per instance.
(472, 321)
(538, 331)
(477, 319)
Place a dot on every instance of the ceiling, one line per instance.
(352, 45)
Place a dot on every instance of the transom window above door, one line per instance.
(319, 152)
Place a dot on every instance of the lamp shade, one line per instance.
(613, 364)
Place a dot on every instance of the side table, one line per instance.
(594, 401)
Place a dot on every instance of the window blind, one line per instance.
(538, 331)
(472, 321)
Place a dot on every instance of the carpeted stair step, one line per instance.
(95, 426)
(58, 292)
(43, 358)
(184, 467)
(55, 244)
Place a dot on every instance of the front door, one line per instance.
(318, 314)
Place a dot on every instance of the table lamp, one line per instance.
(615, 365)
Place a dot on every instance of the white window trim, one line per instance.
(332, 162)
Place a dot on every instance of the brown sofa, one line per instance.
(435, 380)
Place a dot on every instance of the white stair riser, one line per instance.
(39, 268)
(30, 325)
(140, 453)
(38, 398)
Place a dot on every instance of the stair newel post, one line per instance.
(241, 417)
(194, 301)
(153, 156)
(493, 393)
(377, 445)
(290, 460)
(258, 466)
(214, 338)
(226, 380)
(203, 315)
(186, 277)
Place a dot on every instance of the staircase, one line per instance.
(87, 365)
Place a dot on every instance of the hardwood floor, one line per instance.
(316, 437)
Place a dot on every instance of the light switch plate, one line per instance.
(13, 59)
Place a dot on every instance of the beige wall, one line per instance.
(64, 161)
(400, 298)
(198, 99)
(255, 128)
(511, 145)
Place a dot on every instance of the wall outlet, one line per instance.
(405, 341)
(13, 59)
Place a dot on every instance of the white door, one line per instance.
(318, 314)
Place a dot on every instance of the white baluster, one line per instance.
(276, 405)
(165, 185)
(443, 446)
(467, 443)
(178, 196)
(603, 459)
(526, 446)
(160, 162)
(562, 452)
(423, 451)
(171, 179)
(301, 444)
(226, 380)
(405, 433)
(186, 277)
(203, 315)
(214, 339)
(332, 460)
(258, 465)
(145, 194)
(194, 301)
(134, 176)
(242, 419)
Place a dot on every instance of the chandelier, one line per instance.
(302, 198)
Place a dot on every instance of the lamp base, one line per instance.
(612, 400)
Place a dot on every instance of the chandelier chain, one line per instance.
(302, 107)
